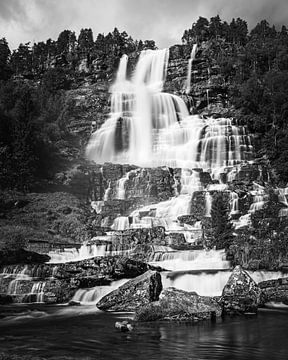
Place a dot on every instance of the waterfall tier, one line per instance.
(148, 127)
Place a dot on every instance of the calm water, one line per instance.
(85, 333)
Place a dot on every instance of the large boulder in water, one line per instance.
(134, 293)
(180, 305)
(241, 294)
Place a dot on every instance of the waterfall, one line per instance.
(148, 127)
(189, 72)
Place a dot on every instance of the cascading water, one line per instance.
(150, 128)
(189, 71)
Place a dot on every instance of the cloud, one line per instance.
(161, 20)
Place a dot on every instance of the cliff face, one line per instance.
(87, 105)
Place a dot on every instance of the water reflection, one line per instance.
(91, 335)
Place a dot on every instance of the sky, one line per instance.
(164, 21)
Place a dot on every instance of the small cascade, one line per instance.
(193, 260)
(107, 193)
(86, 251)
(120, 187)
(92, 295)
(259, 198)
(282, 198)
(203, 282)
(37, 292)
(208, 204)
(97, 206)
(234, 203)
(120, 223)
(189, 71)
(190, 181)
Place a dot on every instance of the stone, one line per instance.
(179, 305)
(241, 294)
(5, 299)
(134, 293)
(274, 291)
(74, 303)
(124, 326)
(21, 256)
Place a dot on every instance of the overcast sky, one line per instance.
(161, 20)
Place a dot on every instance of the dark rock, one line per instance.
(21, 256)
(274, 291)
(175, 304)
(5, 299)
(74, 303)
(137, 292)
(241, 294)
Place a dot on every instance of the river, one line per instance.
(60, 332)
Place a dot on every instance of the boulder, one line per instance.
(274, 291)
(241, 294)
(134, 293)
(179, 305)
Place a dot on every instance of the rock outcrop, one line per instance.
(21, 256)
(179, 305)
(274, 291)
(140, 291)
(241, 294)
(52, 284)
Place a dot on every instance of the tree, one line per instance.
(85, 41)
(221, 224)
(66, 42)
(5, 71)
(21, 60)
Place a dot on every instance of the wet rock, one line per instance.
(241, 294)
(74, 303)
(274, 291)
(179, 305)
(133, 294)
(21, 256)
(5, 299)
(124, 326)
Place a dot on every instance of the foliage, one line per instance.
(221, 224)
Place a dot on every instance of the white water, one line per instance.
(192, 260)
(155, 127)
(92, 295)
(189, 71)
(74, 254)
